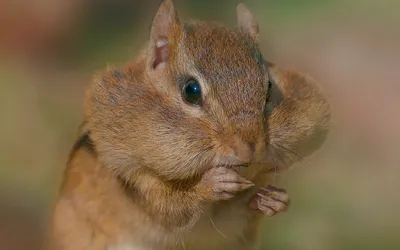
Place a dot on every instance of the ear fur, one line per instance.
(164, 22)
(247, 22)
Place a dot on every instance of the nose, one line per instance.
(244, 151)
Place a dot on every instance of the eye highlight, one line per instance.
(191, 92)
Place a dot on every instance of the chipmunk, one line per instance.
(177, 145)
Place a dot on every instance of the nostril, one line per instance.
(244, 155)
(252, 146)
(243, 151)
(239, 154)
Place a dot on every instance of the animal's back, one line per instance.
(92, 211)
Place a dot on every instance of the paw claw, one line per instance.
(270, 201)
(224, 182)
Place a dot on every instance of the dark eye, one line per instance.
(192, 92)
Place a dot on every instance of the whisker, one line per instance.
(223, 235)
(279, 154)
(315, 127)
(296, 154)
(273, 161)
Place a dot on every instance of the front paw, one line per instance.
(270, 201)
(221, 183)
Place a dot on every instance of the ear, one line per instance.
(247, 22)
(164, 23)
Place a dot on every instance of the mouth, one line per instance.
(273, 170)
(239, 167)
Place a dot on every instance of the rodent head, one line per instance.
(194, 99)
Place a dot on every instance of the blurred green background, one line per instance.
(348, 199)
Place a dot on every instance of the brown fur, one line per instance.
(137, 176)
